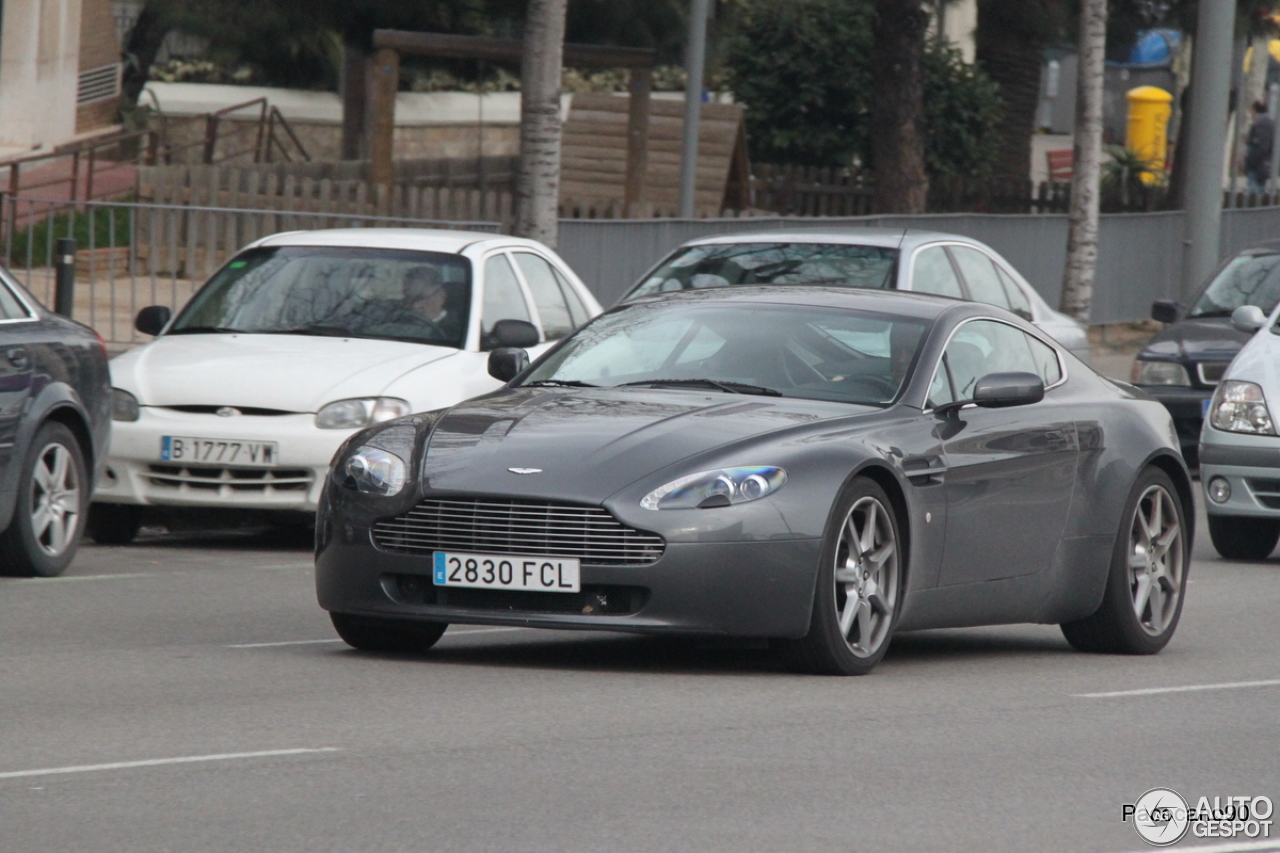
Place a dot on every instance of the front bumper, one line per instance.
(747, 589)
(136, 474)
(1186, 405)
(1250, 464)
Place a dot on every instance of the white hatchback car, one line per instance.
(303, 338)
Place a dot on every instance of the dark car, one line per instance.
(1184, 362)
(55, 417)
(819, 466)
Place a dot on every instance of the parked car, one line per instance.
(876, 258)
(303, 338)
(870, 462)
(1239, 446)
(1184, 362)
(55, 416)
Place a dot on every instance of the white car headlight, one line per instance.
(361, 412)
(1240, 407)
(721, 487)
(372, 471)
(124, 406)
(1159, 373)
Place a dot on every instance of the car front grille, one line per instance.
(229, 480)
(522, 528)
(239, 410)
(600, 600)
(1211, 372)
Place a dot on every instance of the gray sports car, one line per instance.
(817, 466)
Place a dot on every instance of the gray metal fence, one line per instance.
(132, 255)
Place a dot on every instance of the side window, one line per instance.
(1018, 301)
(1046, 362)
(940, 391)
(503, 298)
(577, 310)
(933, 273)
(556, 321)
(10, 307)
(982, 347)
(980, 274)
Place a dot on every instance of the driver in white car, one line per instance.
(425, 295)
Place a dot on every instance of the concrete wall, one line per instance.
(39, 69)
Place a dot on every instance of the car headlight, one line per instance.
(1159, 373)
(361, 412)
(372, 471)
(124, 406)
(1240, 407)
(721, 487)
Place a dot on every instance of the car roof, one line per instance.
(889, 238)
(416, 239)
(903, 302)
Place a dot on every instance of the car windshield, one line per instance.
(1246, 280)
(719, 265)
(421, 297)
(804, 351)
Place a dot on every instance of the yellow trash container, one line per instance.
(1148, 129)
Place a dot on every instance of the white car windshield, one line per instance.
(1247, 280)
(422, 297)
(721, 265)
(806, 351)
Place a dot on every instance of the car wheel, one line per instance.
(48, 518)
(1243, 538)
(859, 586)
(114, 524)
(381, 635)
(1143, 598)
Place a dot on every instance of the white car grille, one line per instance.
(1211, 371)
(227, 481)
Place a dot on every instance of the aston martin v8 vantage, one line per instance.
(822, 467)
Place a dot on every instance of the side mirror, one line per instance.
(513, 333)
(152, 319)
(1248, 318)
(1165, 310)
(998, 390)
(505, 363)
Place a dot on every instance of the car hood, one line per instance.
(1197, 339)
(292, 373)
(1259, 362)
(587, 444)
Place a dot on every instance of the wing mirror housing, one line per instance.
(513, 333)
(1016, 388)
(1248, 318)
(152, 319)
(505, 363)
(1165, 310)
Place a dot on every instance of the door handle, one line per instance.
(17, 357)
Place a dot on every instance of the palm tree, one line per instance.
(538, 173)
(897, 106)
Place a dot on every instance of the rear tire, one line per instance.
(48, 518)
(114, 524)
(860, 587)
(1236, 538)
(384, 635)
(1145, 587)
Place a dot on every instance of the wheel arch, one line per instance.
(1177, 471)
(884, 477)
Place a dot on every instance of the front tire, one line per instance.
(860, 586)
(383, 635)
(53, 492)
(1143, 598)
(114, 524)
(1251, 539)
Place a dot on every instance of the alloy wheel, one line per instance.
(55, 500)
(866, 577)
(1156, 558)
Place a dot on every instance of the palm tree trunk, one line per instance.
(897, 107)
(1082, 235)
(538, 174)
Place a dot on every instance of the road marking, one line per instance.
(1190, 688)
(1231, 847)
(86, 578)
(157, 762)
(336, 640)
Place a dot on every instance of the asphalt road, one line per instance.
(186, 694)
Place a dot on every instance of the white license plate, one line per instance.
(218, 451)
(503, 571)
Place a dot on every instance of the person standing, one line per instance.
(1257, 149)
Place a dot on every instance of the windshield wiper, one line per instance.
(323, 331)
(206, 330)
(559, 383)
(718, 384)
